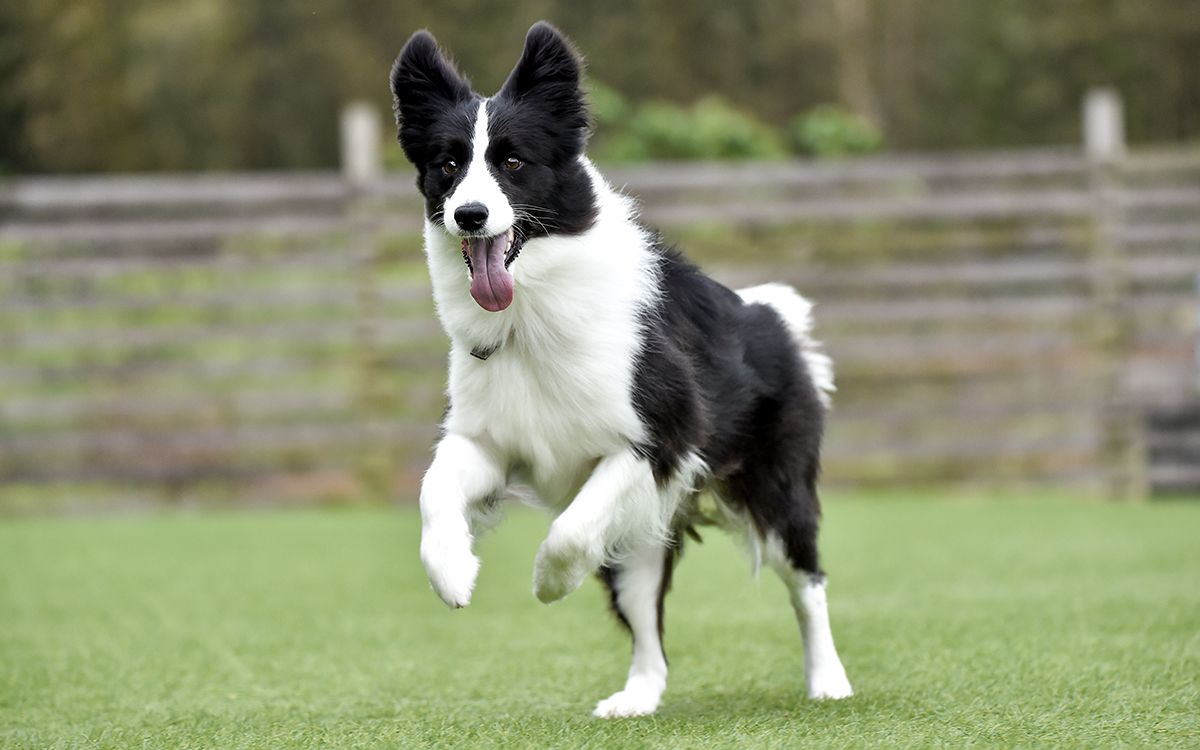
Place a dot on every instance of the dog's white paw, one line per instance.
(628, 702)
(829, 684)
(560, 567)
(450, 565)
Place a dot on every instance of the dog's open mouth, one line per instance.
(488, 259)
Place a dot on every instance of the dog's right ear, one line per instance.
(423, 84)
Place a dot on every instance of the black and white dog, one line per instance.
(596, 370)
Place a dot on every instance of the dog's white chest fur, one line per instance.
(555, 394)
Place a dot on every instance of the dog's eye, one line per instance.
(512, 164)
(450, 167)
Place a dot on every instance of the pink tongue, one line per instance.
(491, 283)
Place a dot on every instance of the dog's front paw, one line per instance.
(628, 702)
(560, 568)
(450, 565)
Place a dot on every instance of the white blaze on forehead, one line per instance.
(479, 184)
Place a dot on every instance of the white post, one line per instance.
(1121, 457)
(361, 146)
(1103, 125)
(361, 135)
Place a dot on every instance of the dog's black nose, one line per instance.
(471, 216)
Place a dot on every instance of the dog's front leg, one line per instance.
(619, 498)
(463, 475)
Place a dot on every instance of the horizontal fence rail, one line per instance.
(993, 318)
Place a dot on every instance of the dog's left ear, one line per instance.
(549, 72)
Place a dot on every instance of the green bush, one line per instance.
(609, 108)
(710, 129)
(828, 130)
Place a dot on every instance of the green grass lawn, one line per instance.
(1016, 623)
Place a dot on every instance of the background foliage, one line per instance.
(225, 84)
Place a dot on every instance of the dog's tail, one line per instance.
(797, 314)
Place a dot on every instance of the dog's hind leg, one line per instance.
(637, 585)
(790, 547)
(824, 675)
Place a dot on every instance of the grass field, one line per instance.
(1001, 623)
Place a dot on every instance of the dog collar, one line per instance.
(483, 352)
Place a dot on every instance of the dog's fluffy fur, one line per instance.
(597, 372)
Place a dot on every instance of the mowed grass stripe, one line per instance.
(1019, 622)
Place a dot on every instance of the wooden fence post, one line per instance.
(1196, 323)
(1121, 458)
(361, 139)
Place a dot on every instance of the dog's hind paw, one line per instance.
(627, 703)
(830, 685)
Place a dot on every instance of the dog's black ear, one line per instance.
(424, 83)
(549, 72)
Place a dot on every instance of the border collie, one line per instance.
(596, 372)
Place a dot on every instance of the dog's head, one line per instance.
(497, 172)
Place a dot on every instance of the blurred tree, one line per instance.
(853, 40)
(225, 84)
(12, 105)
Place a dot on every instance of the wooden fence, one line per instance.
(1000, 318)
